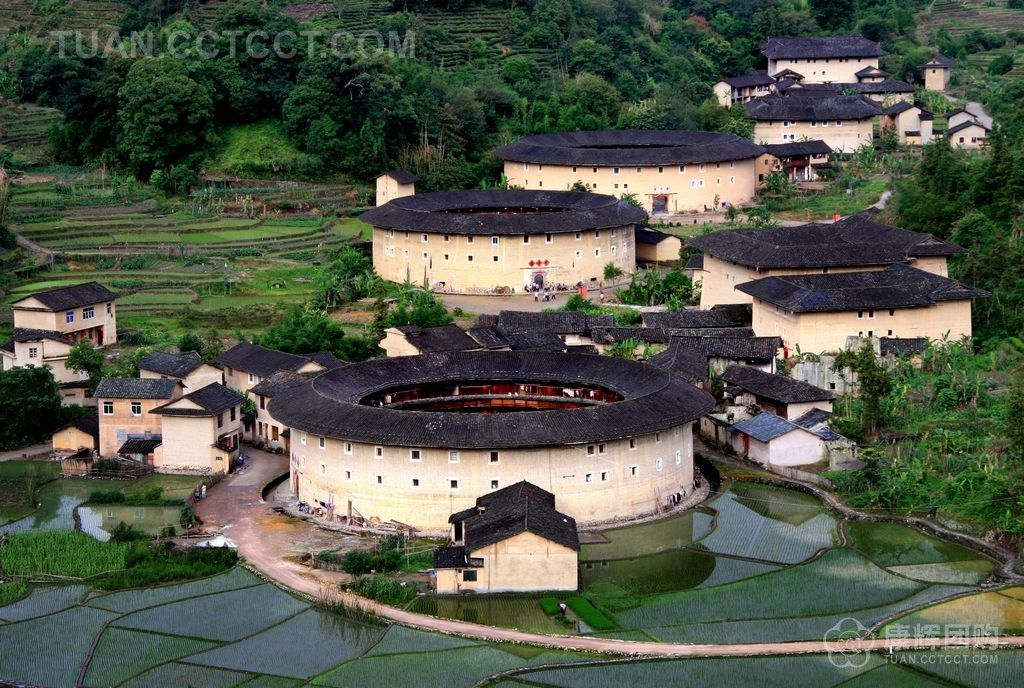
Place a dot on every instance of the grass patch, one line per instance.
(386, 590)
(60, 554)
(262, 150)
(549, 605)
(590, 615)
(10, 592)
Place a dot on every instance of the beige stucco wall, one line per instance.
(395, 343)
(689, 190)
(796, 448)
(721, 277)
(122, 420)
(573, 257)
(188, 444)
(269, 423)
(47, 353)
(972, 137)
(936, 78)
(821, 332)
(72, 439)
(824, 70)
(613, 490)
(30, 313)
(910, 120)
(200, 377)
(241, 381)
(522, 563)
(727, 96)
(388, 189)
(847, 137)
(664, 251)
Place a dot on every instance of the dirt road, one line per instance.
(265, 538)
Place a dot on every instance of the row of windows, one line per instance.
(88, 313)
(496, 240)
(390, 251)
(871, 314)
(814, 123)
(135, 407)
(639, 170)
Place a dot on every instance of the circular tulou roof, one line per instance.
(653, 400)
(629, 147)
(503, 211)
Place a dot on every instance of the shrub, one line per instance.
(13, 591)
(126, 533)
(137, 263)
(386, 590)
(149, 565)
(106, 497)
(357, 562)
(391, 560)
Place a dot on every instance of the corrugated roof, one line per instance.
(629, 147)
(140, 446)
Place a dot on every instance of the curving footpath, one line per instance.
(234, 507)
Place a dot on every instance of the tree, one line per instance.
(166, 117)
(307, 330)
(191, 342)
(85, 358)
(414, 307)
(1014, 425)
(612, 272)
(651, 287)
(874, 383)
(1000, 65)
(348, 278)
(29, 405)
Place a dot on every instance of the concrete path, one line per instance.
(265, 538)
(29, 452)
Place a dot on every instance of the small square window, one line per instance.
(453, 457)
(632, 443)
(494, 484)
(423, 238)
(526, 238)
(323, 469)
(604, 476)
(615, 170)
(469, 576)
(494, 457)
(378, 452)
(657, 437)
(136, 408)
(633, 470)
(469, 239)
(69, 317)
(348, 448)
(453, 484)
(578, 236)
(658, 464)
(33, 352)
(661, 170)
(549, 239)
(495, 241)
(589, 478)
(322, 442)
(108, 408)
(591, 450)
(302, 438)
(494, 259)
(380, 479)
(415, 482)
(601, 448)
(415, 455)
(252, 378)
(348, 475)
(446, 256)
(469, 259)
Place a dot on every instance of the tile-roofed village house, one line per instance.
(822, 59)
(855, 243)
(187, 367)
(819, 313)
(740, 89)
(912, 124)
(78, 312)
(410, 340)
(265, 431)
(573, 328)
(778, 394)
(844, 122)
(81, 433)
(723, 352)
(46, 348)
(970, 134)
(200, 431)
(774, 441)
(395, 184)
(512, 540)
(937, 72)
(246, 364)
(125, 409)
(656, 247)
(800, 161)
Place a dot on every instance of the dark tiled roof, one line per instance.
(764, 427)
(330, 404)
(503, 211)
(614, 335)
(135, 388)
(259, 360)
(173, 365)
(650, 236)
(820, 47)
(871, 71)
(816, 421)
(722, 332)
(686, 364)
(805, 107)
(140, 446)
(429, 340)
(730, 316)
(902, 346)
(450, 558)
(8, 346)
(759, 78)
(875, 87)
(582, 349)
(855, 240)
(28, 334)
(735, 348)
(503, 522)
(488, 337)
(940, 60)
(898, 286)
(280, 383)
(533, 340)
(67, 298)
(559, 322)
(327, 359)
(402, 176)
(695, 262)
(778, 388)
(88, 422)
(897, 108)
(788, 74)
(966, 125)
(629, 147)
(212, 399)
(513, 494)
(786, 150)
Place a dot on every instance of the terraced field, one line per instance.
(86, 15)
(23, 129)
(959, 17)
